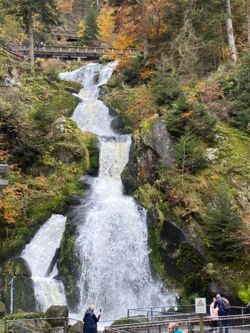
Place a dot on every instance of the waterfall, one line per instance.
(39, 254)
(12, 294)
(112, 239)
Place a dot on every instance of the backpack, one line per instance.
(226, 303)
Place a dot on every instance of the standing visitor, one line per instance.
(90, 320)
(222, 312)
(174, 328)
(214, 315)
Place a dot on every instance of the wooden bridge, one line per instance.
(70, 52)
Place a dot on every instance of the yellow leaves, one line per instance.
(192, 98)
(65, 5)
(81, 28)
(106, 24)
(121, 44)
(11, 30)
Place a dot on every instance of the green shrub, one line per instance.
(189, 153)
(175, 122)
(239, 93)
(131, 74)
(28, 152)
(44, 116)
(201, 122)
(164, 86)
(224, 227)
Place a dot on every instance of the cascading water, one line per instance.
(112, 231)
(12, 294)
(39, 254)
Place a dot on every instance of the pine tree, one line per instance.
(224, 227)
(44, 10)
(91, 27)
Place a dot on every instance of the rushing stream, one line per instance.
(112, 232)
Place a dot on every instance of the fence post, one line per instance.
(6, 327)
(201, 319)
(65, 326)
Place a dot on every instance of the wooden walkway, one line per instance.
(70, 52)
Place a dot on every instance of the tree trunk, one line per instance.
(230, 32)
(248, 20)
(31, 38)
(144, 30)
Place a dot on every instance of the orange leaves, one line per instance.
(12, 203)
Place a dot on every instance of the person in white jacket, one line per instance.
(214, 315)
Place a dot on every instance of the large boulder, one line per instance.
(151, 149)
(23, 294)
(156, 137)
(142, 165)
(57, 315)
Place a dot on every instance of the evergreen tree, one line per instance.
(91, 27)
(224, 227)
(44, 10)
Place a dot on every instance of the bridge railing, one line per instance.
(71, 50)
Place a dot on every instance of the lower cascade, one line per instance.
(40, 254)
(112, 237)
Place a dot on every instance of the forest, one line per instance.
(187, 78)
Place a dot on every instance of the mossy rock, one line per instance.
(156, 136)
(76, 328)
(69, 265)
(17, 267)
(2, 310)
(60, 312)
(23, 294)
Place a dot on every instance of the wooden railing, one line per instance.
(70, 51)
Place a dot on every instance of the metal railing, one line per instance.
(170, 310)
(234, 324)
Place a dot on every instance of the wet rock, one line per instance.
(142, 166)
(69, 265)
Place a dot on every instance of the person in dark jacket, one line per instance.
(222, 312)
(90, 320)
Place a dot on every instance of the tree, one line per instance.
(230, 31)
(90, 27)
(44, 11)
(224, 227)
(248, 20)
(106, 25)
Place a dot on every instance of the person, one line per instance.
(222, 312)
(174, 328)
(214, 315)
(90, 320)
